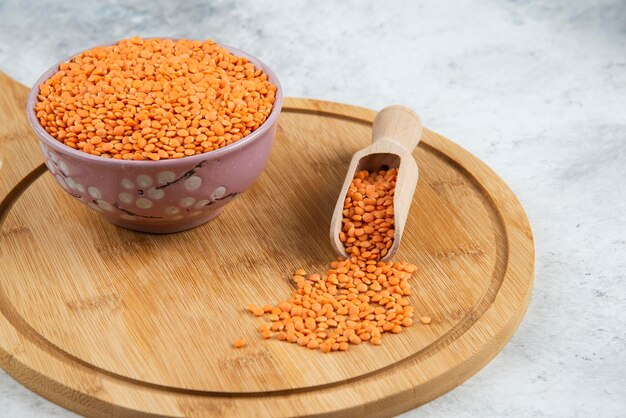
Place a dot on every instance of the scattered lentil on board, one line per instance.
(358, 299)
(154, 99)
(239, 343)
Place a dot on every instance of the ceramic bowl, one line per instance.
(160, 196)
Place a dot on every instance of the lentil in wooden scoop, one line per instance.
(374, 202)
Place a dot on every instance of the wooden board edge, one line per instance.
(62, 395)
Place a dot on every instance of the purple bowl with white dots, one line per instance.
(160, 196)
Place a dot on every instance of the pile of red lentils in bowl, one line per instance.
(154, 99)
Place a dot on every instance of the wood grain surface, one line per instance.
(106, 321)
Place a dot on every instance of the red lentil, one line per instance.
(360, 298)
(368, 214)
(154, 99)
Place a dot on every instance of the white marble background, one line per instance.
(536, 89)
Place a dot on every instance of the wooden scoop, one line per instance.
(395, 134)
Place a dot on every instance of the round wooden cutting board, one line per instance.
(106, 321)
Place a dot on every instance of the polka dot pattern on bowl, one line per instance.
(162, 195)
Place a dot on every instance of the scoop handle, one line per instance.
(398, 124)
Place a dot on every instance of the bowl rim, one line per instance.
(45, 137)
